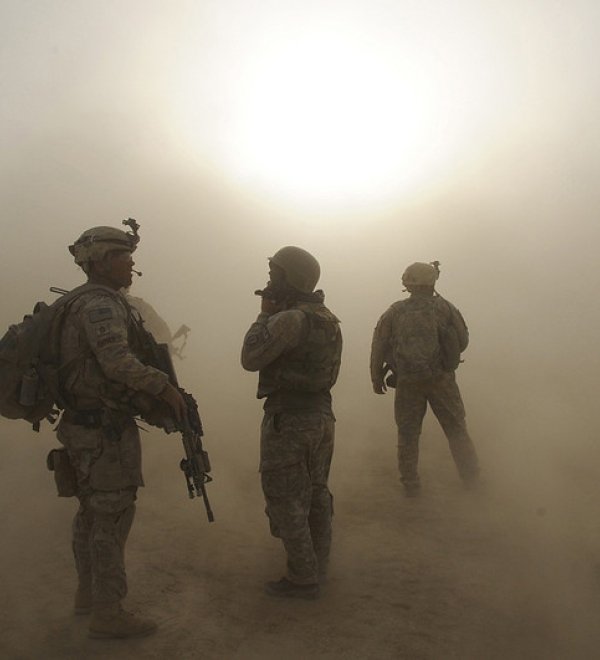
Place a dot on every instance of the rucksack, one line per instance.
(415, 340)
(429, 336)
(29, 361)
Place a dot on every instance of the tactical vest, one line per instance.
(313, 366)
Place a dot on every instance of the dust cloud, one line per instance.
(512, 570)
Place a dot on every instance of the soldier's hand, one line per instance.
(268, 306)
(379, 388)
(172, 397)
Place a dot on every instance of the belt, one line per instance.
(87, 418)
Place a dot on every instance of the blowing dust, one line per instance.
(509, 570)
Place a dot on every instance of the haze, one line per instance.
(373, 134)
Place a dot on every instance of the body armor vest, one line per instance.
(313, 366)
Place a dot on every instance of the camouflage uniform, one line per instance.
(99, 375)
(435, 386)
(298, 354)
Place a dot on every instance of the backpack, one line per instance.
(429, 336)
(415, 340)
(29, 361)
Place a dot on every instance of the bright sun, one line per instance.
(326, 120)
(336, 117)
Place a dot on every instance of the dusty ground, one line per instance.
(505, 572)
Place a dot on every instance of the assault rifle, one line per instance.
(196, 464)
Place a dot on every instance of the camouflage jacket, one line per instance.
(298, 354)
(98, 364)
(419, 356)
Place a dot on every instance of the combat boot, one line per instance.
(287, 589)
(83, 599)
(111, 620)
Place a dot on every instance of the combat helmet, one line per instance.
(302, 270)
(95, 243)
(421, 274)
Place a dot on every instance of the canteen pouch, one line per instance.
(65, 476)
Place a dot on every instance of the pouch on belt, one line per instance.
(65, 476)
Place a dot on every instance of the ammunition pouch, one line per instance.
(65, 476)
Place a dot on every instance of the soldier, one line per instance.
(296, 345)
(101, 378)
(420, 340)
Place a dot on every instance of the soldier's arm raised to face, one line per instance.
(105, 323)
(271, 336)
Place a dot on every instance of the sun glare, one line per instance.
(332, 117)
(325, 120)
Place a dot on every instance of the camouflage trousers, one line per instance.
(108, 468)
(295, 457)
(410, 405)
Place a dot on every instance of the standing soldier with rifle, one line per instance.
(103, 383)
(295, 344)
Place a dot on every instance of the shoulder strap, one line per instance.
(78, 291)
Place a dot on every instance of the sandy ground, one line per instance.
(502, 572)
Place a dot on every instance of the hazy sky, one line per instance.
(319, 105)
(372, 133)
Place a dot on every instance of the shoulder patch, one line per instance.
(258, 334)
(100, 314)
